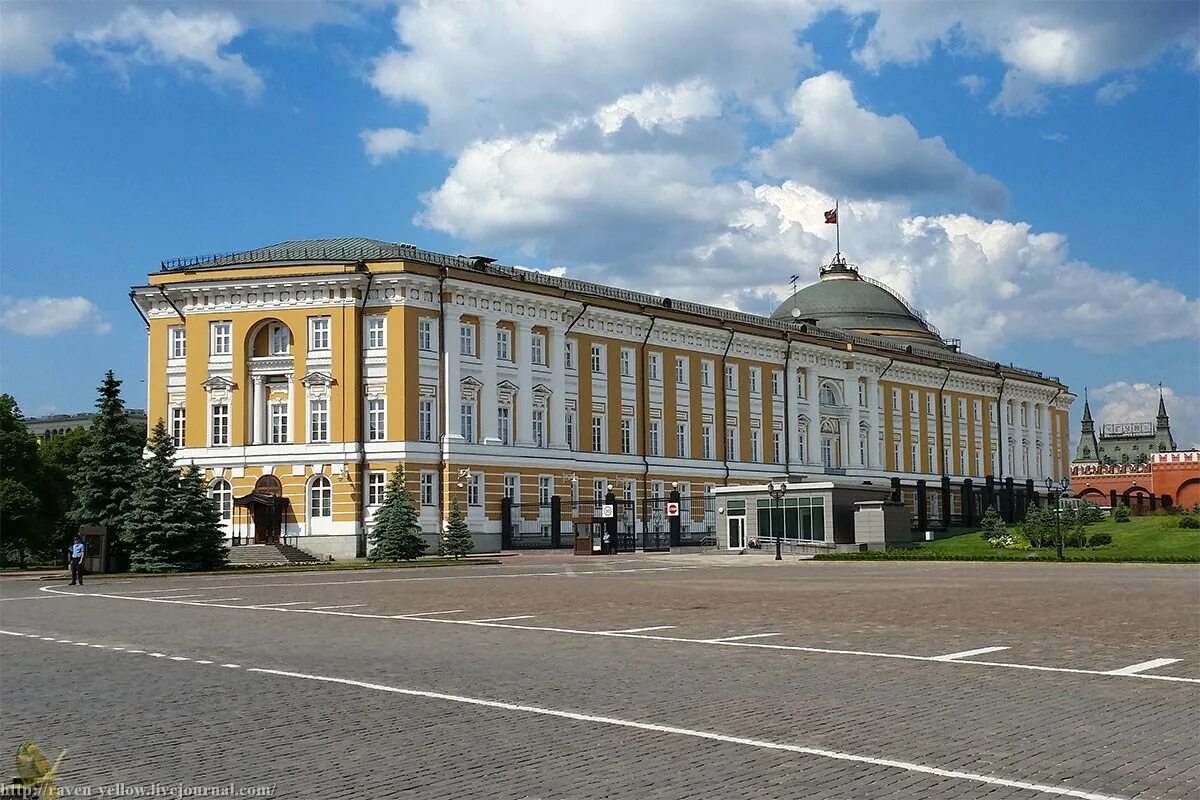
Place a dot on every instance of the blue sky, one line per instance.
(1027, 174)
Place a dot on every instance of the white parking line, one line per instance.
(657, 638)
(643, 630)
(175, 596)
(330, 608)
(652, 727)
(220, 599)
(1135, 669)
(501, 619)
(739, 638)
(431, 613)
(278, 605)
(966, 653)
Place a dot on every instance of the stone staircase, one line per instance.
(269, 555)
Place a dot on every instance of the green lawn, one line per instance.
(1140, 538)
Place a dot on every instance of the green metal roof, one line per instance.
(844, 299)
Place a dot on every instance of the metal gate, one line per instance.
(530, 526)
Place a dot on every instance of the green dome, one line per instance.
(844, 299)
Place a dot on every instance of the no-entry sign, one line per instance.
(672, 509)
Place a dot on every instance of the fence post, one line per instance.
(922, 511)
(1010, 501)
(506, 526)
(1112, 499)
(555, 521)
(675, 523)
(610, 523)
(946, 502)
(896, 490)
(989, 492)
(968, 503)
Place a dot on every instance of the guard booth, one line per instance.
(95, 548)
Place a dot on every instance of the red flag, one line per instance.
(831, 217)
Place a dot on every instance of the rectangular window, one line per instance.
(572, 442)
(318, 333)
(777, 447)
(512, 487)
(730, 378)
(706, 374)
(222, 338)
(475, 490)
(929, 404)
(425, 420)
(597, 359)
(914, 464)
(977, 410)
(755, 446)
(539, 427)
(946, 458)
(178, 426)
(862, 452)
(318, 420)
(626, 362)
(537, 349)
(896, 401)
(706, 441)
(681, 370)
(962, 410)
(176, 342)
(376, 333)
(753, 376)
(655, 437)
(220, 424)
(681, 440)
(466, 421)
(427, 495)
(731, 444)
(425, 334)
(862, 395)
(503, 345)
(597, 434)
(978, 462)
(545, 489)
(599, 490)
(466, 339)
(376, 485)
(931, 459)
(626, 435)
(912, 403)
(962, 461)
(655, 360)
(376, 420)
(504, 424)
(776, 383)
(280, 340)
(896, 457)
(279, 423)
(569, 354)
(992, 413)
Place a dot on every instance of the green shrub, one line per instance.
(1189, 521)
(1121, 513)
(994, 529)
(1091, 514)
(1099, 539)
(1075, 538)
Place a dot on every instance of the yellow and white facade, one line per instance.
(321, 366)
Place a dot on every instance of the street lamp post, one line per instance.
(777, 493)
(1055, 490)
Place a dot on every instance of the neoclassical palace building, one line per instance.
(299, 375)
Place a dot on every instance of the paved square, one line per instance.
(671, 677)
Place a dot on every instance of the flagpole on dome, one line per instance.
(832, 218)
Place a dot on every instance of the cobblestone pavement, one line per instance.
(835, 680)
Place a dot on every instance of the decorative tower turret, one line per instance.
(1164, 442)
(1088, 450)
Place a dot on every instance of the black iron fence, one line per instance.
(653, 525)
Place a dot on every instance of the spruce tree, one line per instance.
(199, 515)
(20, 469)
(397, 532)
(458, 540)
(152, 531)
(107, 468)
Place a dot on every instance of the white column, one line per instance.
(1027, 443)
(558, 387)
(522, 352)
(1002, 410)
(489, 429)
(792, 387)
(813, 390)
(451, 377)
(851, 384)
(258, 409)
(874, 426)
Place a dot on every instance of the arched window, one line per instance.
(280, 339)
(222, 495)
(320, 498)
(828, 395)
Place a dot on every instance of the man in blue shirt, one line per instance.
(77, 561)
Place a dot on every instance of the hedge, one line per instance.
(929, 555)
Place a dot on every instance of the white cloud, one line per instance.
(1117, 90)
(1138, 402)
(973, 84)
(48, 316)
(483, 68)
(381, 143)
(1063, 43)
(1055, 137)
(658, 106)
(135, 37)
(846, 149)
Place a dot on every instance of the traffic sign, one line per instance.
(672, 509)
(607, 511)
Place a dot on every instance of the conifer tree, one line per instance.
(199, 515)
(397, 532)
(152, 530)
(20, 468)
(458, 541)
(107, 468)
